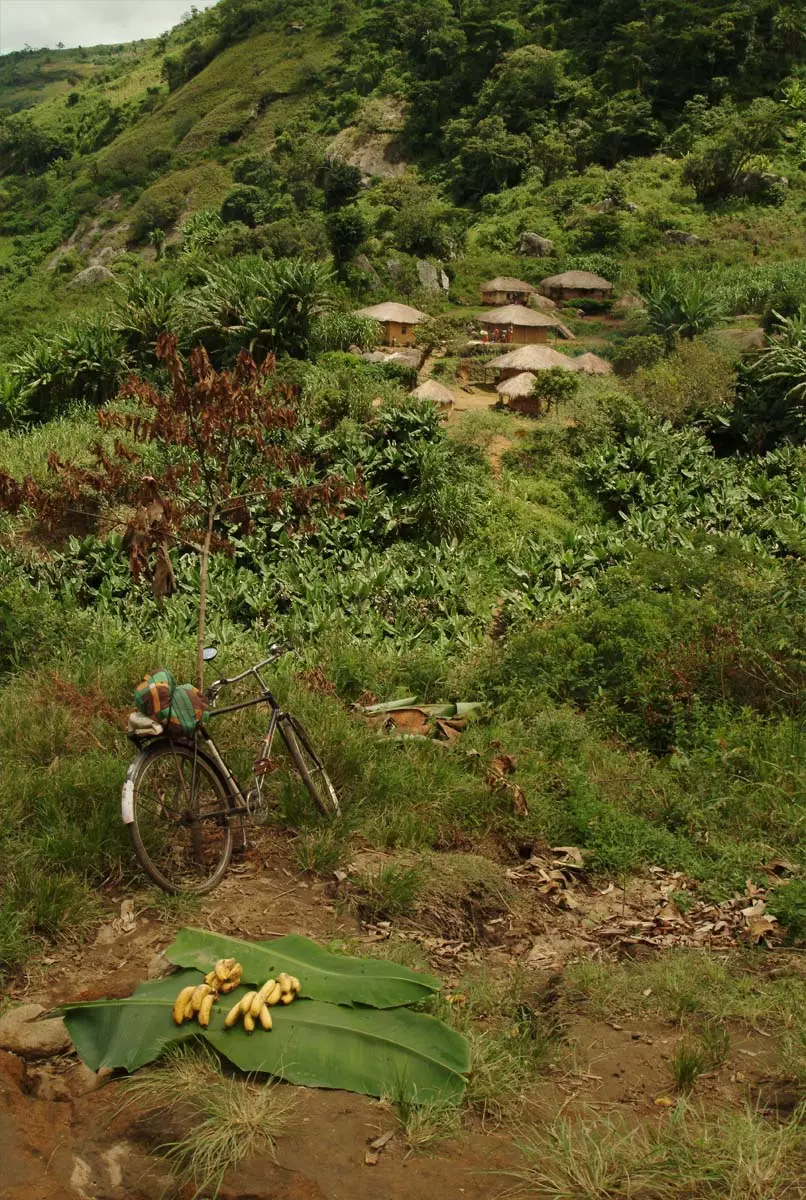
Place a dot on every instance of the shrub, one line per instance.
(82, 361)
(772, 404)
(244, 204)
(554, 387)
(680, 305)
(154, 213)
(695, 382)
(788, 904)
(147, 308)
(641, 351)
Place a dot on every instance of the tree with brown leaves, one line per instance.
(219, 439)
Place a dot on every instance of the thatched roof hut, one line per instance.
(592, 364)
(517, 386)
(576, 285)
(397, 320)
(517, 314)
(522, 326)
(531, 358)
(506, 290)
(430, 389)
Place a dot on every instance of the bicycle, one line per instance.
(180, 798)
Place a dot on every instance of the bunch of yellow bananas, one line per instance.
(198, 1001)
(255, 1005)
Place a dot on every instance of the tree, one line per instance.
(554, 387)
(523, 86)
(487, 157)
(347, 229)
(717, 161)
(217, 456)
(340, 181)
(244, 204)
(27, 150)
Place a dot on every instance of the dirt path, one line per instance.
(64, 1138)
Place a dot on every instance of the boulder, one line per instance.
(366, 267)
(23, 1033)
(93, 277)
(535, 246)
(679, 237)
(758, 183)
(107, 255)
(432, 279)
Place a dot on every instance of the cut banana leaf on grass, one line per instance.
(379, 1052)
(323, 976)
(395, 1052)
(131, 1032)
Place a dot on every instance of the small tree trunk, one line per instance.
(205, 562)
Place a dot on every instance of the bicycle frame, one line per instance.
(278, 718)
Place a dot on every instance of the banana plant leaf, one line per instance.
(323, 976)
(388, 705)
(394, 1052)
(129, 1033)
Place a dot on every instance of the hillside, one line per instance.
(589, 521)
(104, 146)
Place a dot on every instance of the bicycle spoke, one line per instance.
(181, 823)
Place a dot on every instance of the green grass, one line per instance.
(223, 1120)
(688, 1154)
(686, 985)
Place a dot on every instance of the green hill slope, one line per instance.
(517, 117)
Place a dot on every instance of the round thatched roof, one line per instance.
(404, 314)
(592, 364)
(430, 389)
(533, 358)
(516, 314)
(577, 281)
(517, 386)
(505, 283)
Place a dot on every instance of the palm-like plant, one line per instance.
(681, 306)
(777, 381)
(82, 361)
(12, 404)
(263, 307)
(147, 308)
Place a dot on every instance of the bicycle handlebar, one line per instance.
(276, 651)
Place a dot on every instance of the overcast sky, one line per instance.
(86, 22)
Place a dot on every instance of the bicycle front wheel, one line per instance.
(181, 825)
(310, 769)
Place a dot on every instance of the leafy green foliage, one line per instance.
(554, 387)
(325, 976)
(261, 307)
(681, 306)
(347, 1045)
(773, 397)
(77, 362)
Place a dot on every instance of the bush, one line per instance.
(85, 361)
(154, 213)
(693, 383)
(681, 305)
(244, 204)
(788, 904)
(641, 351)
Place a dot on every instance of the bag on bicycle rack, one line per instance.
(179, 707)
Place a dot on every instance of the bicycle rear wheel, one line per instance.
(310, 768)
(181, 827)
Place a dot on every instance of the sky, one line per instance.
(86, 22)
